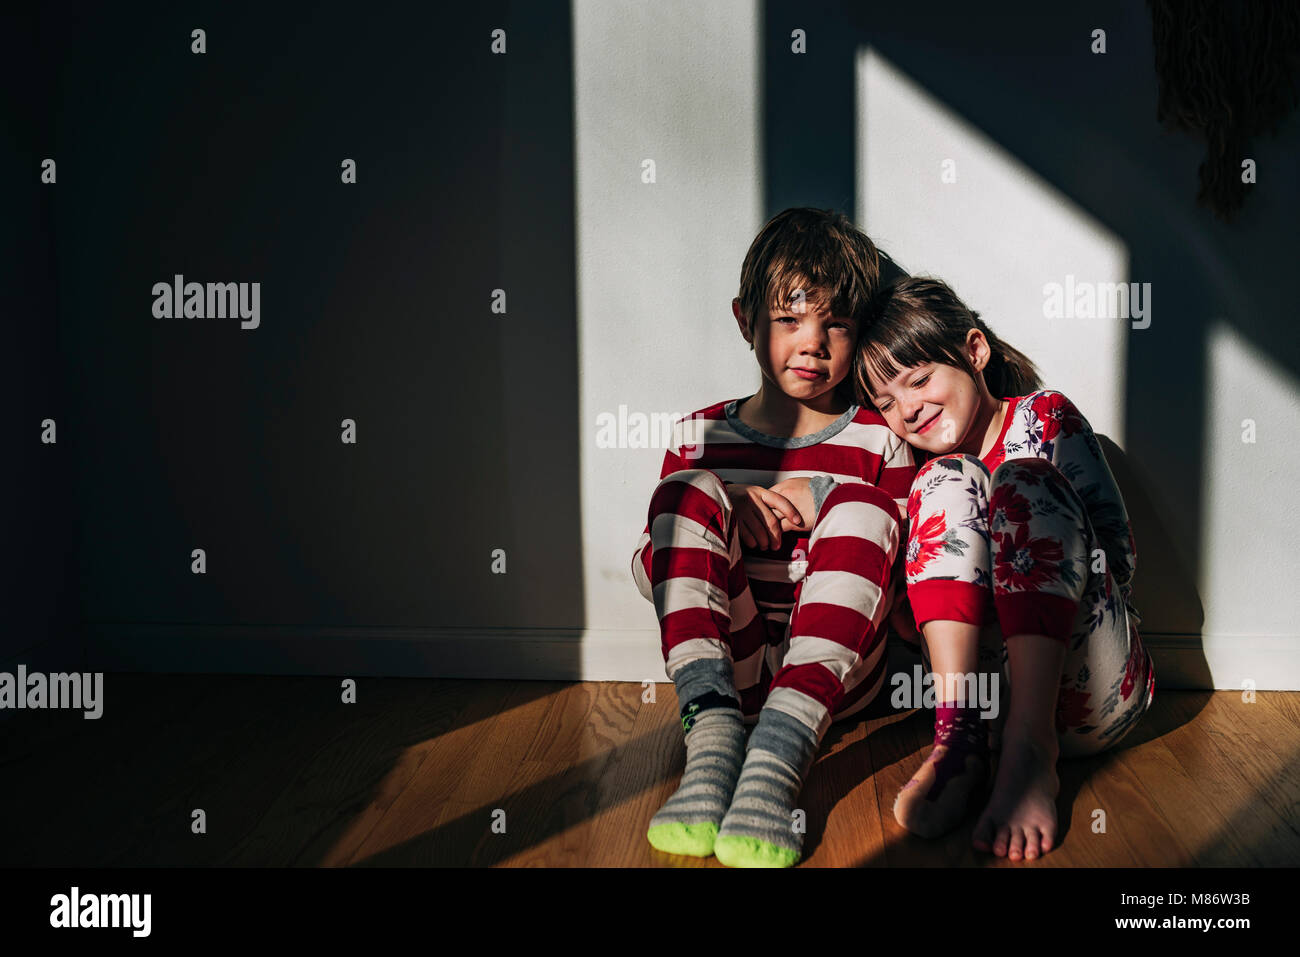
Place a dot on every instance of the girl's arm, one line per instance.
(1061, 434)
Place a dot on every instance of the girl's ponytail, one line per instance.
(1009, 371)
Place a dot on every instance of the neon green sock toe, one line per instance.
(737, 851)
(693, 840)
(715, 747)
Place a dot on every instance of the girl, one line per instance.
(1019, 561)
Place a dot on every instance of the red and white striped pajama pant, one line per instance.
(824, 653)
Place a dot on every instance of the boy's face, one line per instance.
(804, 336)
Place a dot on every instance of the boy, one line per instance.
(771, 591)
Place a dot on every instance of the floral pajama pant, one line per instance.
(805, 635)
(1014, 551)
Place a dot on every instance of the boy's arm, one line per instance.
(897, 470)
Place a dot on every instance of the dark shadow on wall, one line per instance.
(1163, 584)
(375, 307)
(37, 563)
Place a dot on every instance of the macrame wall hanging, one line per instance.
(1227, 73)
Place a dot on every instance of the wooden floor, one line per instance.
(416, 772)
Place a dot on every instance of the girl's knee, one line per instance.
(946, 479)
(1028, 470)
(954, 462)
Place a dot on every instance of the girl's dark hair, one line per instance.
(918, 319)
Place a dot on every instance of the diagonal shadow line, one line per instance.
(537, 811)
(1130, 199)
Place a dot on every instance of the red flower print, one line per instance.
(1014, 507)
(1130, 672)
(1071, 709)
(924, 544)
(1058, 414)
(913, 504)
(1022, 563)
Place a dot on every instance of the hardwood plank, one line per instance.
(239, 759)
(582, 739)
(122, 758)
(438, 818)
(1265, 754)
(354, 773)
(1132, 819)
(840, 799)
(639, 779)
(1287, 705)
(1079, 846)
(1186, 808)
(1212, 755)
(660, 747)
(411, 773)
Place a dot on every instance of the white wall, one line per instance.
(997, 235)
(658, 264)
(1251, 517)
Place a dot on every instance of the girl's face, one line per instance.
(932, 406)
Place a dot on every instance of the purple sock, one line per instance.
(963, 732)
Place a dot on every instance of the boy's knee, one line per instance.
(868, 502)
(706, 480)
(698, 494)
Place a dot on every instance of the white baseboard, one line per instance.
(1226, 662)
(549, 654)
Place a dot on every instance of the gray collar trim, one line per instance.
(779, 442)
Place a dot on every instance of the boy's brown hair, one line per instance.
(818, 251)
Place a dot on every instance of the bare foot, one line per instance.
(929, 811)
(1020, 819)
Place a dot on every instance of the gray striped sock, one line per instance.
(758, 830)
(715, 746)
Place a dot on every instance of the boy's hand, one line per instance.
(762, 515)
(799, 492)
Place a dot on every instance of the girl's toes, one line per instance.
(1048, 837)
(1017, 849)
(1001, 841)
(982, 836)
(1032, 839)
